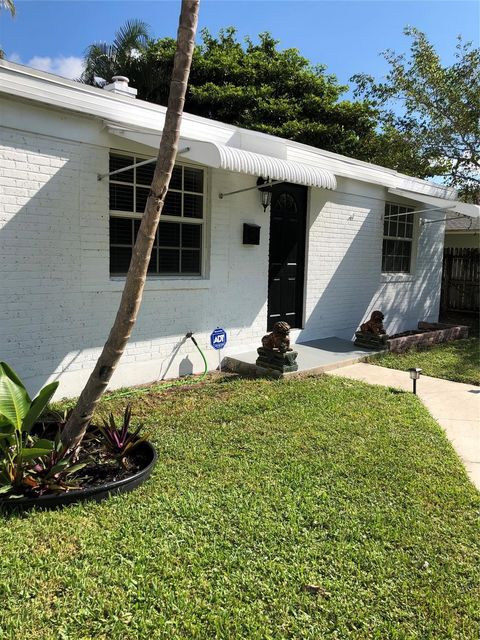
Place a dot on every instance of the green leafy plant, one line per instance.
(117, 439)
(18, 414)
(53, 472)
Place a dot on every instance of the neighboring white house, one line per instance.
(462, 233)
(341, 238)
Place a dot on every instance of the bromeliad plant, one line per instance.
(18, 413)
(117, 439)
(53, 472)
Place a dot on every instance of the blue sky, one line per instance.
(346, 35)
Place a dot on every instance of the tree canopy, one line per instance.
(422, 119)
(429, 113)
(251, 85)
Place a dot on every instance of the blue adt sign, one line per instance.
(218, 338)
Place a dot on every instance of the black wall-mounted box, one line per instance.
(251, 233)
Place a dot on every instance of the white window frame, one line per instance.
(134, 215)
(412, 240)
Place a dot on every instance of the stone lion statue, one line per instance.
(374, 325)
(278, 339)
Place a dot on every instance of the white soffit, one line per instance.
(220, 156)
(462, 208)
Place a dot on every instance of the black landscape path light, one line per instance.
(414, 375)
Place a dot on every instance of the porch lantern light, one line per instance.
(265, 191)
(414, 375)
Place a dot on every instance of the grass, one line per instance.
(261, 489)
(458, 361)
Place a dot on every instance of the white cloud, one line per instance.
(14, 57)
(66, 66)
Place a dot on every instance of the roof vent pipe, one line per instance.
(119, 85)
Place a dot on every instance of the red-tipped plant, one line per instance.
(118, 440)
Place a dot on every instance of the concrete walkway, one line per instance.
(455, 406)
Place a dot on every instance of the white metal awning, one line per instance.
(220, 156)
(460, 208)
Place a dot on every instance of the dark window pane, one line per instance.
(385, 227)
(136, 227)
(191, 236)
(191, 261)
(142, 195)
(152, 265)
(384, 263)
(401, 229)
(405, 248)
(169, 234)
(120, 259)
(193, 180)
(176, 179)
(173, 204)
(397, 264)
(192, 206)
(405, 265)
(120, 231)
(169, 261)
(119, 162)
(389, 263)
(121, 197)
(409, 230)
(145, 173)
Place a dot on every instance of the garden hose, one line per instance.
(165, 385)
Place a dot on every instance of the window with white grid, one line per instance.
(178, 243)
(398, 231)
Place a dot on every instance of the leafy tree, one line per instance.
(135, 281)
(256, 86)
(430, 113)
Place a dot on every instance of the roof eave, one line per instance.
(30, 84)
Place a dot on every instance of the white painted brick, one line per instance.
(58, 301)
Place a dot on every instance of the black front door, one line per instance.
(287, 254)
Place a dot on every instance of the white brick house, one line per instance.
(65, 236)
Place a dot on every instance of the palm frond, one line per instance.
(134, 34)
(9, 5)
(107, 60)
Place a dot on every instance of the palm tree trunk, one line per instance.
(135, 280)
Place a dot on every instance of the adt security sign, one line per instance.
(218, 338)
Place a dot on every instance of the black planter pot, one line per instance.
(144, 450)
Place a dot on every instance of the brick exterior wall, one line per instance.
(58, 300)
(344, 280)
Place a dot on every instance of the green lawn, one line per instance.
(261, 489)
(458, 361)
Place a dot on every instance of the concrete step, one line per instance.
(315, 356)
